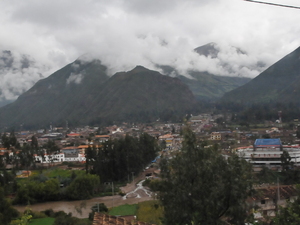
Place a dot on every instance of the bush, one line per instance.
(49, 212)
(83, 187)
(147, 182)
(61, 214)
(121, 193)
(38, 215)
(101, 207)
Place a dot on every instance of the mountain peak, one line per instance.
(139, 69)
(138, 95)
(211, 49)
(279, 83)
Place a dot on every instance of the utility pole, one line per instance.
(132, 176)
(278, 196)
(278, 193)
(112, 190)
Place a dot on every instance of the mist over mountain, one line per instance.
(234, 61)
(18, 73)
(209, 86)
(207, 70)
(279, 83)
(82, 93)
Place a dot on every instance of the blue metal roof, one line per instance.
(267, 142)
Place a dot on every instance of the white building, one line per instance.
(267, 152)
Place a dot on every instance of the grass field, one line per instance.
(123, 210)
(61, 173)
(150, 211)
(42, 221)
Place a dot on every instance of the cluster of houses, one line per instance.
(72, 143)
(249, 145)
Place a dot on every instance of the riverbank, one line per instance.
(109, 201)
(70, 206)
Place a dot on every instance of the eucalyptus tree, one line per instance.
(201, 186)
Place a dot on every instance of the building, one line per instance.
(168, 138)
(104, 219)
(267, 152)
(266, 200)
(102, 138)
(216, 136)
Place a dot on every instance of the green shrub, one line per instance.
(49, 212)
(38, 215)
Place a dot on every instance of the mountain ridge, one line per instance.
(137, 95)
(278, 83)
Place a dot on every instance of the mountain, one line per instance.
(279, 83)
(204, 84)
(82, 93)
(213, 49)
(61, 96)
(208, 50)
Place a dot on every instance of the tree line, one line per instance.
(119, 159)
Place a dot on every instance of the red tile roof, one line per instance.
(104, 219)
(285, 191)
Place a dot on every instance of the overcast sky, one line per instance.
(126, 33)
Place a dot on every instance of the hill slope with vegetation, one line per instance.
(82, 93)
(279, 83)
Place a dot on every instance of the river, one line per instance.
(135, 194)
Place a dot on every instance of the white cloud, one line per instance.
(126, 33)
(18, 73)
(75, 78)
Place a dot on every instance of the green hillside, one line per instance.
(82, 93)
(207, 86)
(56, 98)
(279, 83)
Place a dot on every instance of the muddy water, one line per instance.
(135, 190)
(70, 206)
(135, 193)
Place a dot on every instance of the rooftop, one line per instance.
(267, 142)
(104, 219)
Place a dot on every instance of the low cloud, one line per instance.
(74, 78)
(126, 33)
(18, 73)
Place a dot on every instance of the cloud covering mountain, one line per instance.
(126, 33)
(18, 73)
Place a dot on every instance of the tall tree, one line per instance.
(119, 158)
(7, 212)
(90, 154)
(51, 148)
(26, 157)
(286, 162)
(199, 186)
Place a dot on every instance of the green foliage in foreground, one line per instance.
(62, 218)
(83, 187)
(42, 221)
(55, 173)
(124, 210)
(41, 188)
(119, 158)
(150, 212)
(7, 212)
(200, 186)
(290, 215)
